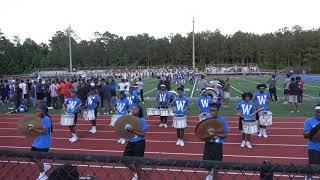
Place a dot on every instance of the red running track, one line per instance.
(285, 143)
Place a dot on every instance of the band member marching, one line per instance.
(136, 145)
(313, 146)
(245, 110)
(42, 142)
(121, 108)
(72, 106)
(180, 106)
(132, 98)
(92, 104)
(261, 99)
(163, 97)
(213, 149)
(204, 101)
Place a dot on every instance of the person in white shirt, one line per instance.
(23, 86)
(127, 85)
(140, 88)
(122, 86)
(53, 89)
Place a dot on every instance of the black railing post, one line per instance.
(266, 171)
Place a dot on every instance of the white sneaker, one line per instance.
(260, 133)
(178, 142)
(123, 141)
(161, 125)
(291, 111)
(93, 130)
(248, 145)
(165, 125)
(209, 177)
(74, 139)
(119, 141)
(46, 167)
(42, 176)
(135, 176)
(181, 142)
(243, 143)
(285, 102)
(264, 134)
(70, 138)
(307, 178)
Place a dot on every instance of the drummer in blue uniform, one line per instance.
(261, 100)
(180, 106)
(204, 101)
(245, 110)
(136, 145)
(92, 104)
(213, 149)
(313, 147)
(72, 106)
(121, 108)
(163, 97)
(132, 98)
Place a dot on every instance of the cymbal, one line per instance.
(124, 123)
(209, 128)
(315, 133)
(26, 124)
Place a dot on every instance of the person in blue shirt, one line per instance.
(313, 147)
(180, 106)
(72, 105)
(245, 110)
(213, 149)
(136, 145)
(261, 100)
(132, 98)
(121, 108)
(204, 101)
(163, 97)
(43, 141)
(92, 102)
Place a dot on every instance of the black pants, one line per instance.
(313, 156)
(273, 94)
(300, 95)
(54, 101)
(135, 149)
(141, 95)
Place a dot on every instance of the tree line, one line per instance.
(283, 48)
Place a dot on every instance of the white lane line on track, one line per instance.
(157, 132)
(98, 124)
(156, 141)
(165, 153)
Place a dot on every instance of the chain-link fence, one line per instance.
(23, 165)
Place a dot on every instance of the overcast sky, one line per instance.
(40, 19)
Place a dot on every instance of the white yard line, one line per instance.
(236, 89)
(150, 91)
(193, 87)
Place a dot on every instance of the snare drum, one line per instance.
(153, 112)
(179, 122)
(164, 112)
(67, 119)
(265, 118)
(114, 118)
(204, 115)
(88, 115)
(250, 126)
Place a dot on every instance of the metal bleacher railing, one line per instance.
(20, 165)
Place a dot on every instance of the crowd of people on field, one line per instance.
(225, 69)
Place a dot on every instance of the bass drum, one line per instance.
(173, 94)
(213, 93)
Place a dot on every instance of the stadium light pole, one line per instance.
(193, 50)
(70, 51)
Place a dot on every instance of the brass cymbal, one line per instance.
(124, 123)
(26, 124)
(209, 128)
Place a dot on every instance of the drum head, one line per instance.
(124, 121)
(207, 127)
(315, 133)
(26, 123)
(249, 120)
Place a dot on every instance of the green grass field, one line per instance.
(239, 84)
